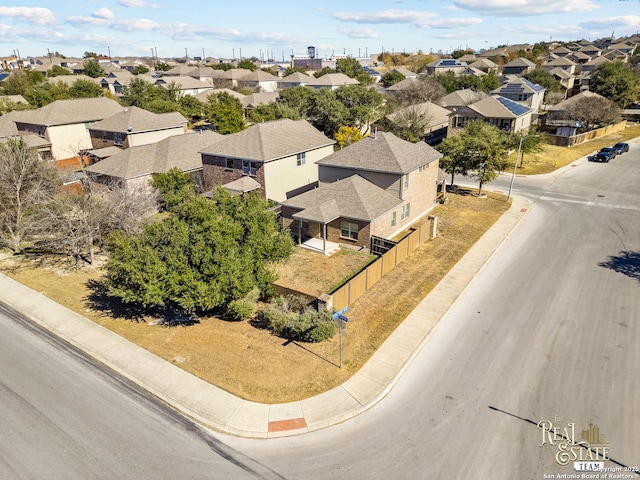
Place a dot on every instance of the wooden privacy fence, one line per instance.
(363, 281)
(584, 137)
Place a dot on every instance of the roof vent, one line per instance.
(129, 128)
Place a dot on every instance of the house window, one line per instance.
(405, 181)
(405, 211)
(393, 219)
(303, 224)
(103, 135)
(228, 163)
(301, 158)
(86, 126)
(349, 230)
(249, 167)
(118, 138)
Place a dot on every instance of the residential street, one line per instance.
(547, 329)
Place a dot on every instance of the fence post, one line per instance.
(325, 302)
(434, 226)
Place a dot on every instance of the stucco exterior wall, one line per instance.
(283, 177)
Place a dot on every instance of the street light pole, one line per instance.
(515, 165)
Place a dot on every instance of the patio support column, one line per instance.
(324, 237)
(299, 232)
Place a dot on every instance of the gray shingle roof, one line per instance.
(352, 197)
(260, 98)
(434, 113)
(181, 151)
(383, 152)
(463, 97)
(67, 112)
(333, 80)
(185, 82)
(137, 120)
(520, 62)
(297, 77)
(270, 141)
(404, 84)
(562, 106)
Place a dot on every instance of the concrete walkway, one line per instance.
(221, 411)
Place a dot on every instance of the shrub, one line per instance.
(245, 307)
(315, 326)
(287, 317)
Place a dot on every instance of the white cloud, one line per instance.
(359, 33)
(137, 4)
(418, 19)
(104, 12)
(453, 23)
(115, 24)
(517, 8)
(387, 16)
(37, 15)
(631, 22)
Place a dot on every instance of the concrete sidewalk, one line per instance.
(221, 411)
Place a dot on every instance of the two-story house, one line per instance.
(279, 155)
(375, 187)
(134, 167)
(523, 91)
(135, 126)
(65, 123)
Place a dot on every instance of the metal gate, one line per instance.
(380, 246)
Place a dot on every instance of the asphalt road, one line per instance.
(548, 328)
(62, 417)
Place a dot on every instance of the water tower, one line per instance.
(311, 51)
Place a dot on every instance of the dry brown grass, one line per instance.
(314, 274)
(552, 157)
(253, 364)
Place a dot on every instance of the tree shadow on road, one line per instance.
(627, 263)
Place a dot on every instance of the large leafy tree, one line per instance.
(349, 66)
(247, 64)
(365, 105)
(480, 151)
(391, 78)
(593, 112)
(616, 81)
(543, 78)
(410, 124)
(207, 253)
(93, 69)
(225, 113)
(26, 183)
(326, 112)
(426, 89)
(139, 93)
(85, 89)
(486, 147)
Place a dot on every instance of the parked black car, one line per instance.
(605, 154)
(621, 147)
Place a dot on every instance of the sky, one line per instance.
(278, 29)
